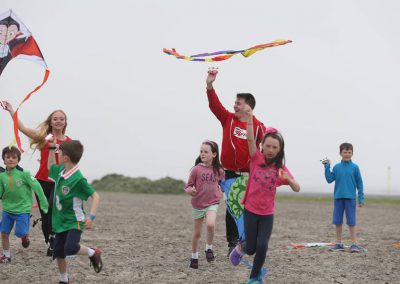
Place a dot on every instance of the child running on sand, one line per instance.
(16, 187)
(267, 172)
(69, 218)
(203, 186)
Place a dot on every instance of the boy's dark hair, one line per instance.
(73, 149)
(248, 98)
(11, 150)
(214, 149)
(345, 146)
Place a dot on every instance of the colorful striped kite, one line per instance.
(16, 41)
(226, 54)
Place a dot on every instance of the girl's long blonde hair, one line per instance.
(44, 129)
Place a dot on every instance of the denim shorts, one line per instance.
(344, 205)
(200, 213)
(21, 221)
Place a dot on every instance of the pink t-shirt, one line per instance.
(261, 186)
(206, 182)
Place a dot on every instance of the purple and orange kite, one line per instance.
(225, 54)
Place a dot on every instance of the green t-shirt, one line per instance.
(16, 192)
(71, 189)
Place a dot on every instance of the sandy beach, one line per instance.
(146, 239)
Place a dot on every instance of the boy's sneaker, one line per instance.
(210, 255)
(25, 241)
(5, 259)
(96, 261)
(355, 248)
(194, 263)
(337, 247)
(236, 255)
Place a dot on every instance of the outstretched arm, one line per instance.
(250, 131)
(212, 75)
(31, 133)
(294, 185)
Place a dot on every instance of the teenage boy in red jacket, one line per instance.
(234, 151)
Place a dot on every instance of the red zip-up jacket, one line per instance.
(235, 149)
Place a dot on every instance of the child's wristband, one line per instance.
(92, 216)
(52, 147)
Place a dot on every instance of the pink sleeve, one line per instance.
(221, 175)
(192, 180)
(283, 181)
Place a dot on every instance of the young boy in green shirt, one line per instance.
(68, 217)
(16, 188)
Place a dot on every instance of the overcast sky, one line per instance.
(140, 112)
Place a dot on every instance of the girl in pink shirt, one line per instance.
(267, 172)
(203, 186)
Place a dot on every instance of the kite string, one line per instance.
(15, 115)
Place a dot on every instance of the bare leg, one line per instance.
(339, 233)
(62, 265)
(210, 223)
(197, 224)
(353, 234)
(5, 241)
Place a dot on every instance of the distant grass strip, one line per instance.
(395, 200)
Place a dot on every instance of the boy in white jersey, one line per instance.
(68, 217)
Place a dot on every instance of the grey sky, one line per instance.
(140, 112)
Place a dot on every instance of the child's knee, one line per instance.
(71, 249)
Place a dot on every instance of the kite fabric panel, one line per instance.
(224, 55)
(16, 41)
(234, 189)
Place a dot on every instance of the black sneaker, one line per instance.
(96, 261)
(194, 263)
(63, 282)
(49, 251)
(210, 255)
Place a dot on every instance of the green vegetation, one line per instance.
(120, 183)
(395, 200)
(168, 185)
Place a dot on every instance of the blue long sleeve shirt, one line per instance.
(347, 177)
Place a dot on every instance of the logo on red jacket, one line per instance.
(240, 133)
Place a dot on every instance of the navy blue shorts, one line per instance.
(67, 243)
(344, 205)
(21, 221)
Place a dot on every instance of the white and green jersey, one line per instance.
(71, 189)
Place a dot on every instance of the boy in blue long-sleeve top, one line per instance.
(347, 178)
